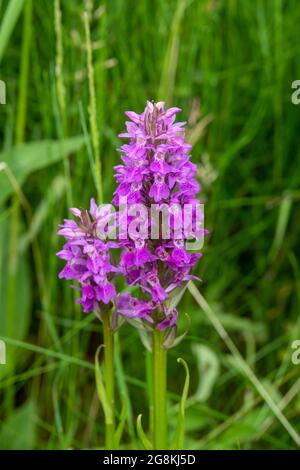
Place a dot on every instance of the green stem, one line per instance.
(14, 260)
(24, 74)
(109, 379)
(159, 392)
(62, 124)
(93, 108)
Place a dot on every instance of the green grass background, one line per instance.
(229, 65)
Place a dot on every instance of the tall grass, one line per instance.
(229, 65)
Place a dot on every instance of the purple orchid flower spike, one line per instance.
(156, 170)
(156, 181)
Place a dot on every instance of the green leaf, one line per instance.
(179, 435)
(175, 297)
(122, 384)
(10, 18)
(108, 412)
(14, 306)
(281, 227)
(171, 340)
(167, 81)
(19, 431)
(120, 428)
(144, 439)
(52, 196)
(208, 368)
(243, 430)
(142, 330)
(25, 159)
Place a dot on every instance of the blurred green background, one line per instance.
(229, 64)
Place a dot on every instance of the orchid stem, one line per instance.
(109, 379)
(159, 392)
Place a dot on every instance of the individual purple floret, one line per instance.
(134, 308)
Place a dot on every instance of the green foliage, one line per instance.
(208, 369)
(180, 431)
(17, 323)
(146, 443)
(23, 160)
(229, 65)
(8, 22)
(19, 431)
(108, 412)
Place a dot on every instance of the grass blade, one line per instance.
(244, 367)
(144, 439)
(179, 436)
(10, 18)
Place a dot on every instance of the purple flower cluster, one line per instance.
(156, 170)
(88, 258)
(157, 166)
